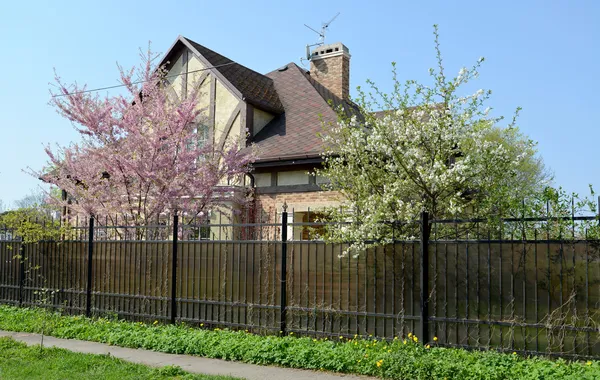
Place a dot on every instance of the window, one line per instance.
(313, 230)
(262, 179)
(199, 232)
(297, 177)
(201, 136)
(197, 228)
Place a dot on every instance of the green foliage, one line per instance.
(17, 361)
(431, 147)
(398, 359)
(32, 224)
(436, 147)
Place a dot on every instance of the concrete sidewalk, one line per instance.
(188, 363)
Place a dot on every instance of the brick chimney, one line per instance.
(330, 66)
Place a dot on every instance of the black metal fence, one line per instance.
(455, 281)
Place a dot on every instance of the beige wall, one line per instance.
(194, 64)
(261, 118)
(175, 77)
(194, 80)
(226, 103)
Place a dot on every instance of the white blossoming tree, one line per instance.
(430, 149)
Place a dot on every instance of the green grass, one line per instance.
(394, 360)
(18, 361)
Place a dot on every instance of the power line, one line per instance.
(141, 81)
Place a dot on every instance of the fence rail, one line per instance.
(530, 295)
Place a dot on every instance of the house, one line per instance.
(283, 112)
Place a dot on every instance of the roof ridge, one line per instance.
(253, 87)
(227, 58)
(319, 87)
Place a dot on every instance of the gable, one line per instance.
(222, 108)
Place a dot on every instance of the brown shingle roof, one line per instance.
(257, 89)
(294, 133)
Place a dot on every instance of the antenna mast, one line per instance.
(321, 34)
(324, 27)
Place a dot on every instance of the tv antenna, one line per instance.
(321, 34)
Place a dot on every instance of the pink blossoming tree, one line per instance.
(142, 154)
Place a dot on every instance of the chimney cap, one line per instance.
(330, 50)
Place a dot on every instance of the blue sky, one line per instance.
(540, 55)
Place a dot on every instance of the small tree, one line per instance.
(142, 154)
(32, 226)
(431, 149)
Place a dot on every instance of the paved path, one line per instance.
(188, 363)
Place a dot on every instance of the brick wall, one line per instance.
(267, 204)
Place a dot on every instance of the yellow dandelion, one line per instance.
(341, 337)
(410, 335)
(415, 338)
(404, 341)
(427, 346)
(389, 351)
(514, 353)
(201, 324)
(588, 363)
(435, 338)
(379, 364)
(291, 333)
(156, 322)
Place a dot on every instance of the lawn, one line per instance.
(18, 361)
(402, 358)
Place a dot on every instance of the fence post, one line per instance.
(174, 269)
(283, 290)
(424, 253)
(21, 272)
(88, 303)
